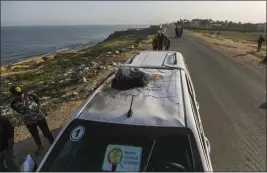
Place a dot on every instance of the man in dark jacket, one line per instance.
(160, 41)
(7, 158)
(155, 43)
(31, 114)
(167, 43)
(176, 32)
(260, 41)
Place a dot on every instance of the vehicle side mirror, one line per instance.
(28, 165)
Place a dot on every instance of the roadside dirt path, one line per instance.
(242, 52)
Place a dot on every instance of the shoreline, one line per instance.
(68, 50)
(74, 47)
(70, 75)
(38, 58)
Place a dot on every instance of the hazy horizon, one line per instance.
(77, 25)
(83, 13)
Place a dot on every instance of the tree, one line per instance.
(207, 22)
(202, 23)
(210, 20)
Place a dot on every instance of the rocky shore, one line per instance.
(70, 76)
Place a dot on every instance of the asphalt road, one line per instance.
(229, 96)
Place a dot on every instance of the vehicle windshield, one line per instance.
(87, 146)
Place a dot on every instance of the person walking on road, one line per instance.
(167, 43)
(7, 158)
(155, 43)
(176, 31)
(260, 41)
(32, 115)
(181, 32)
(160, 41)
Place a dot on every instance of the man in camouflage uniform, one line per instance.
(31, 114)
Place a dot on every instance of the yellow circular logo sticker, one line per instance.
(18, 89)
(115, 156)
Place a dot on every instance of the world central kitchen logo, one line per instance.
(115, 157)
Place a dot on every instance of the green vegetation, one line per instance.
(61, 78)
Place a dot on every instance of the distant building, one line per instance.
(216, 24)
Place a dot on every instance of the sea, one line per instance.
(23, 42)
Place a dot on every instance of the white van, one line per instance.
(152, 128)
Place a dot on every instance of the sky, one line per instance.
(46, 13)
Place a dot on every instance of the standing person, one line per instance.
(7, 158)
(161, 41)
(176, 31)
(31, 114)
(155, 43)
(260, 41)
(167, 43)
(158, 41)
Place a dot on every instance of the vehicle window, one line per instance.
(172, 150)
(88, 153)
(93, 147)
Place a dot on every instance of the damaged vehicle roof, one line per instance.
(157, 104)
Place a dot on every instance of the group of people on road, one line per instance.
(33, 116)
(160, 41)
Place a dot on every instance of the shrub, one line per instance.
(45, 58)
